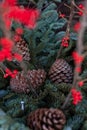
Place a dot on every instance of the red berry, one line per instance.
(80, 83)
(19, 31)
(80, 13)
(81, 6)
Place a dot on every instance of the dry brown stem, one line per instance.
(68, 27)
(79, 49)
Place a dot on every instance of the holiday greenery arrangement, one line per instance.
(43, 73)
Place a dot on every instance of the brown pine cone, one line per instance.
(36, 77)
(22, 48)
(61, 72)
(19, 84)
(46, 119)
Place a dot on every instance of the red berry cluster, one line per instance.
(62, 15)
(76, 95)
(10, 73)
(65, 42)
(18, 33)
(82, 8)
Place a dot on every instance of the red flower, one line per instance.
(77, 58)
(76, 95)
(77, 26)
(19, 31)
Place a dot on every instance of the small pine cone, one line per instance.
(36, 77)
(22, 48)
(19, 84)
(46, 119)
(61, 72)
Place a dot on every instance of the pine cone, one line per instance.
(46, 119)
(61, 72)
(36, 77)
(19, 84)
(22, 48)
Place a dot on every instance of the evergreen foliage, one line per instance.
(84, 127)
(74, 123)
(7, 123)
(43, 40)
(3, 81)
(44, 43)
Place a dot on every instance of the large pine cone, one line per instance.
(22, 83)
(19, 84)
(46, 119)
(36, 77)
(22, 48)
(61, 72)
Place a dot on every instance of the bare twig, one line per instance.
(68, 26)
(79, 49)
(2, 70)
